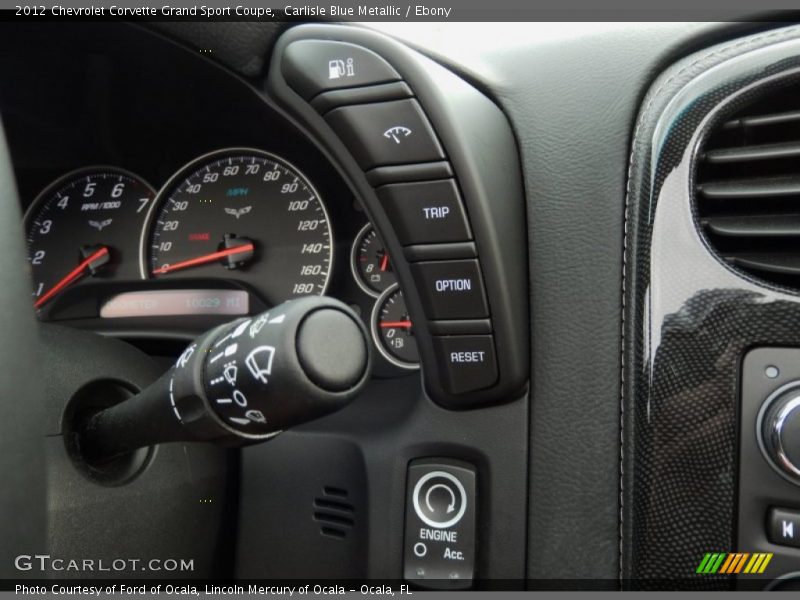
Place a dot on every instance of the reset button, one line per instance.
(467, 362)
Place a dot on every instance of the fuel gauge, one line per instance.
(370, 263)
(392, 329)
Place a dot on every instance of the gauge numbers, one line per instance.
(244, 215)
(370, 262)
(85, 224)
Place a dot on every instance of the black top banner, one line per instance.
(376, 11)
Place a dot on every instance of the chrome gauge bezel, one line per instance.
(354, 250)
(375, 331)
(76, 173)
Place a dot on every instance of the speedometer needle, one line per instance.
(74, 275)
(206, 258)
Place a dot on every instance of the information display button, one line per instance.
(451, 289)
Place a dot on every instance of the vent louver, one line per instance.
(748, 188)
(334, 512)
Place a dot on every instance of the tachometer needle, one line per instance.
(206, 258)
(392, 324)
(96, 259)
(384, 262)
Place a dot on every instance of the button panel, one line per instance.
(466, 362)
(386, 133)
(420, 196)
(425, 212)
(315, 66)
(451, 289)
(440, 524)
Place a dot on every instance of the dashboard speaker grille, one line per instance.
(748, 187)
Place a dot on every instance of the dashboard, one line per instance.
(572, 248)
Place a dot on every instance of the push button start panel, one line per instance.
(440, 524)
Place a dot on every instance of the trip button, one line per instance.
(386, 133)
(451, 289)
(314, 66)
(425, 212)
(783, 527)
(466, 362)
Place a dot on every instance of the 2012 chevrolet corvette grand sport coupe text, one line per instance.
(295, 305)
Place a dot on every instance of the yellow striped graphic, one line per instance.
(765, 562)
(755, 562)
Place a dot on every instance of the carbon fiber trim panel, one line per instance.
(689, 318)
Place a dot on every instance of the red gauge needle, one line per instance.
(72, 276)
(390, 324)
(206, 258)
(385, 262)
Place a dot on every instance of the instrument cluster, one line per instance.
(239, 214)
(232, 231)
(163, 196)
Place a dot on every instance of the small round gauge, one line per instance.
(392, 330)
(370, 262)
(85, 224)
(244, 215)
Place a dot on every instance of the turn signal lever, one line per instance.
(244, 382)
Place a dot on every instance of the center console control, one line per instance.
(769, 463)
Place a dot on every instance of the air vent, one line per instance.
(748, 188)
(333, 512)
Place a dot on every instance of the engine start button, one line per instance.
(439, 499)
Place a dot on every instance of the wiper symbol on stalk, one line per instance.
(238, 212)
(397, 133)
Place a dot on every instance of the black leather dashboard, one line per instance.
(571, 94)
(572, 97)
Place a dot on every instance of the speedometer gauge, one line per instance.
(244, 215)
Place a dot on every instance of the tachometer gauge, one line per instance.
(85, 224)
(244, 215)
(393, 331)
(370, 263)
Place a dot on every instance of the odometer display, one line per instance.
(245, 215)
